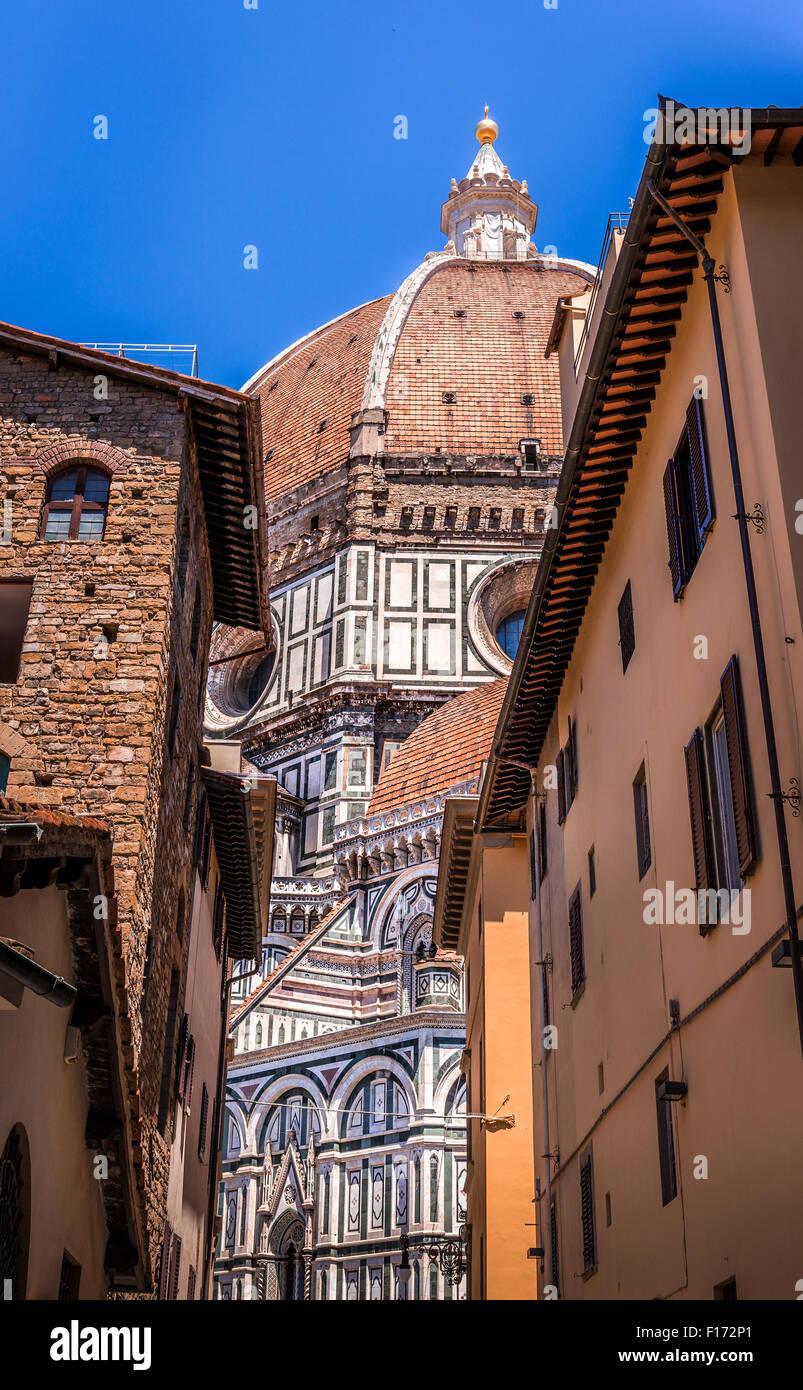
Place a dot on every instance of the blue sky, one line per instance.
(274, 126)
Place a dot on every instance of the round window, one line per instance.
(508, 633)
(240, 672)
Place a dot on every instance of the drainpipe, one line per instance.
(53, 988)
(546, 1232)
(708, 265)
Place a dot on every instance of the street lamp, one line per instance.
(448, 1252)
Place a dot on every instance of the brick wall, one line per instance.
(109, 632)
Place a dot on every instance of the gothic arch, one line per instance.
(273, 1091)
(369, 1067)
(396, 890)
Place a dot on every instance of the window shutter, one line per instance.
(576, 955)
(532, 856)
(739, 766)
(175, 1267)
(181, 1058)
(190, 1284)
(587, 1212)
(699, 813)
(571, 753)
(164, 1262)
(627, 635)
(673, 528)
(189, 1072)
(542, 845)
(561, 788)
(700, 474)
(553, 1242)
(203, 1122)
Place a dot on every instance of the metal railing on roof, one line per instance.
(155, 354)
(617, 222)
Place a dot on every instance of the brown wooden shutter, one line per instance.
(532, 864)
(181, 1057)
(553, 1242)
(561, 788)
(571, 754)
(542, 845)
(587, 1211)
(175, 1267)
(576, 954)
(627, 634)
(739, 766)
(700, 473)
(164, 1261)
(203, 1122)
(189, 1072)
(673, 528)
(699, 813)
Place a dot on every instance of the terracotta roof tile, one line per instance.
(488, 358)
(447, 748)
(320, 379)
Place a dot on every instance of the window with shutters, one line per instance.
(627, 631)
(719, 784)
(169, 1052)
(218, 920)
(561, 787)
(175, 1267)
(191, 1284)
(553, 1242)
(587, 1213)
(666, 1143)
(576, 952)
(203, 1123)
(164, 1261)
(592, 872)
(641, 809)
(542, 843)
(15, 600)
(688, 499)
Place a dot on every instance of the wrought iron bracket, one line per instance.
(792, 797)
(756, 517)
(448, 1252)
(723, 278)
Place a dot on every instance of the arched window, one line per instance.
(15, 1216)
(508, 633)
(258, 1035)
(75, 505)
(281, 1034)
(297, 921)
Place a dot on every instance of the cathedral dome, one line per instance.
(452, 364)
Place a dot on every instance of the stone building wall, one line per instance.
(110, 629)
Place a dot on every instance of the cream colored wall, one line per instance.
(741, 1057)
(501, 1188)
(188, 1190)
(48, 1097)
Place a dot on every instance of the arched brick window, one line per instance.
(75, 505)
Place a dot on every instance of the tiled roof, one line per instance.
(447, 748)
(319, 379)
(461, 337)
(13, 811)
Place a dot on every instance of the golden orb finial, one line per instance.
(486, 131)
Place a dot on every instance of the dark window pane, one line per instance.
(62, 489)
(96, 487)
(90, 527)
(508, 633)
(58, 525)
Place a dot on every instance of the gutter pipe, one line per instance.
(53, 988)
